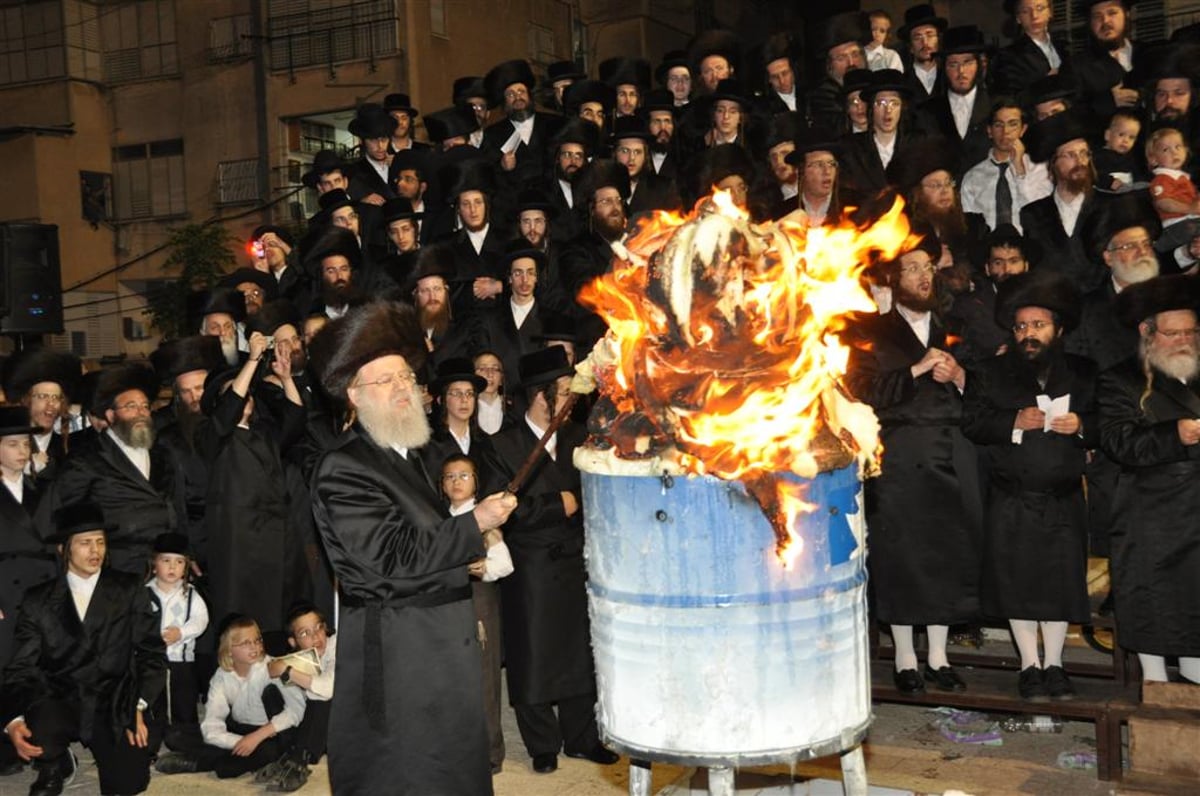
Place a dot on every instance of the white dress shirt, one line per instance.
(961, 106)
(524, 129)
(883, 58)
(978, 190)
(230, 695)
(816, 213)
(82, 590)
(656, 159)
(1124, 55)
(1047, 47)
(381, 168)
(538, 431)
(1068, 211)
(927, 76)
(917, 321)
(788, 99)
(476, 238)
(191, 619)
(520, 311)
(17, 488)
(139, 456)
(498, 563)
(565, 188)
(489, 414)
(886, 151)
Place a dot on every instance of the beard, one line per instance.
(436, 318)
(1181, 362)
(1139, 270)
(948, 222)
(520, 115)
(229, 350)
(611, 225)
(914, 301)
(135, 433)
(394, 426)
(660, 146)
(565, 176)
(335, 295)
(1037, 353)
(188, 422)
(1079, 179)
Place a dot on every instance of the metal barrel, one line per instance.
(708, 651)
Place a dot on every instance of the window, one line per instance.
(139, 41)
(95, 196)
(148, 180)
(84, 52)
(437, 18)
(304, 33)
(31, 42)
(237, 181)
(229, 38)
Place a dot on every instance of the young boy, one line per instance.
(1116, 166)
(879, 55)
(1174, 195)
(307, 629)
(184, 619)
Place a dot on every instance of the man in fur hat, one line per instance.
(1035, 529)
(128, 474)
(407, 627)
(840, 40)
(1150, 425)
(89, 663)
(43, 381)
(518, 141)
(547, 642)
(926, 522)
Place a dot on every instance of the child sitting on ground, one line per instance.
(460, 484)
(248, 717)
(184, 619)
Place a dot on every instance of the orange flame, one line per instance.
(726, 337)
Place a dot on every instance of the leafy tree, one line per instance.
(201, 254)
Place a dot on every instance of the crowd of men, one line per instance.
(357, 396)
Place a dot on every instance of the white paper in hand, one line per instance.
(1054, 408)
(512, 143)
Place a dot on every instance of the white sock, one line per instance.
(938, 635)
(1190, 668)
(1154, 668)
(906, 653)
(1054, 638)
(1024, 633)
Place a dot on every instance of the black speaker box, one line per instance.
(30, 280)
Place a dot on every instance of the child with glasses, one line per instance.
(249, 716)
(459, 485)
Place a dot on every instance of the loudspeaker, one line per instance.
(30, 280)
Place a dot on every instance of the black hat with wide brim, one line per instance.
(452, 122)
(1144, 300)
(716, 41)
(73, 518)
(334, 241)
(563, 70)
(624, 71)
(400, 102)
(631, 127)
(518, 248)
(372, 121)
(584, 91)
(33, 366)
(722, 161)
(203, 303)
(600, 174)
(14, 420)
(457, 369)
(885, 80)
(1045, 137)
(273, 315)
(120, 379)
(535, 199)
(505, 74)
(265, 282)
(543, 367)
(399, 209)
(918, 160)
(672, 59)
(918, 16)
(962, 40)
(185, 355)
(324, 162)
(465, 88)
(814, 139)
(1050, 290)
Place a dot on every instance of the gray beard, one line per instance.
(1180, 365)
(229, 350)
(135, 434)
(1139, 270)
(396, 428)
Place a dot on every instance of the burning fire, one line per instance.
(723, 341)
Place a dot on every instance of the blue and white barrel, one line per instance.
(708, 652)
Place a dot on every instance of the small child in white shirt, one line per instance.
(879, 55)
(459, 483)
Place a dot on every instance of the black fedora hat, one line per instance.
(600, 174)
(1045, 137)
(535, 199)
(399, 102)
(372, 120)
(783, 127)
(171, 543)
(659, 99)
(1009, 237)
(814, 139)
(918, 160)
(730, 89)
(918, 16)
(885, 80)
(584, 91)
(456, 369)
(264, 281)
(1144, 300)
(325, 161)
(631, 127)
(1049, 290)
(453, 122)
(334, 241)
(556, 326)
(14, 420)
(624, 71)
(519, 248)
(225, 300)
(273, 315)
(1050, 88)
(505, 74)
(399, 209)
(467, 175)
(73, 518)
(186, 354)
(436, 260)
(672, 59)
(715, 41)
(542, 367)
(961, 40)
(418, 160)
(563, 70)
(333, 200)
(856, 80)
(576, 130)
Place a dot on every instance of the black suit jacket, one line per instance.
(1096, 72)
(1041, 222)
(1018, 65)
(532, 158)
(935, 118)
(916, 89)
(1100, 336)
(500, 334)
(364, 181)
(104, 663)
(654, 192)
(25, 560)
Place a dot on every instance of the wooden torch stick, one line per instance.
(518, 480)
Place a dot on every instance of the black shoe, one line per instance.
(271, 771)
(292, 777)
(176, 763)
(908, 681)
(53, 776)
(944, 679)
(12, 767)
(597, 754)
(1106, 605)
(544, 764)
(1058, 685)
(1031, 685)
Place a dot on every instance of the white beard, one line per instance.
(1139, 270)
(1180, 364)
(395, 426)
(229, 350)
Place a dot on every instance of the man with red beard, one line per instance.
(131, 478)
(1061, 141)
(1149, 407)
(446, 336)
(925, 518)
(602, 189)
(1035, 555)
(1104, 68)
(43, 381)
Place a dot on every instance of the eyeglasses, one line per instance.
(887, 102)
(608, 201)
(627, 151)
(1025, 326)
(1010, 124)
(823, 165)
(1041, 8)
(49, 397)
(134, 406)
(1177, 334)
(571, 156)
(1078, 155)
(488, 369)
(403, 376)
(306, 633)
(450, 478)
(477, 106)
(256, 293)
(931, 36)
(918, 268)
(1144, 245)
(946, 185)
(460, 394)
(250, 642)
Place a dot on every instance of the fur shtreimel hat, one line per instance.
(364, 334)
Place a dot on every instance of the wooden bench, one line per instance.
(1102, 701)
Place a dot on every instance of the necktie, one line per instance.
(1003, 196)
